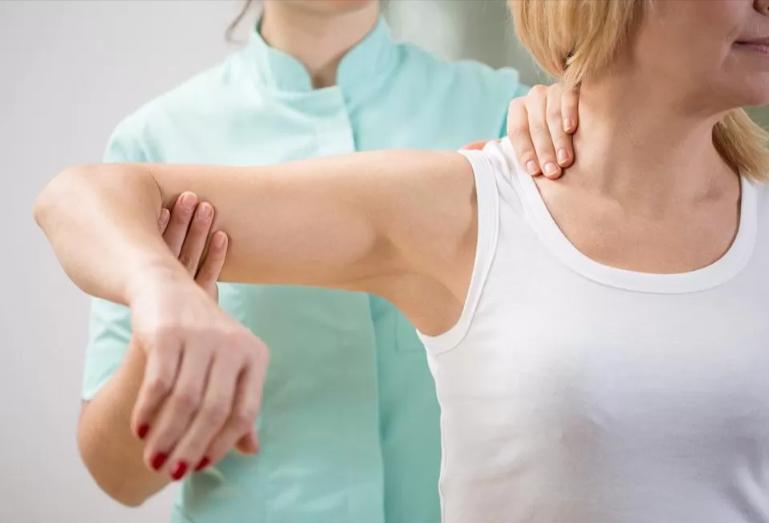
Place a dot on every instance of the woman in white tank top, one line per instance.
(600, 344)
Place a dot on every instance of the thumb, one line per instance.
(248, 443)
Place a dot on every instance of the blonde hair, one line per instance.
(575, 39)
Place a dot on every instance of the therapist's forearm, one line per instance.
(113, 221)
(109, 450)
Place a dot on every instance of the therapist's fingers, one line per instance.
(570, 110)
(196, 238)
(537, 108)
(555, 122)
(179, 222)
(179, 409)
(239, 430)
(158, 382)
(520, 137)
(212, 265)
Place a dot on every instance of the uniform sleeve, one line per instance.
(109, 330)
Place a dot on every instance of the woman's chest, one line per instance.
(614, 366)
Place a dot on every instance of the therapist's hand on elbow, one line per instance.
(203, 381)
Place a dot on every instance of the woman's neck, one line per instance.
(318, 40)
(640, 146)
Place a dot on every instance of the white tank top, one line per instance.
(573, 392)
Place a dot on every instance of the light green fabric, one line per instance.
(350, 424)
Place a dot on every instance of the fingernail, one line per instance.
(568, 124)
(204, 211)
(563, 156)
(164, 215)
(531, 166)
(550, 169)
(179, 470)
(203, 464)
(189, 201)
(157, 460)
(143, 430)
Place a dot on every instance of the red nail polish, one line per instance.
(203, 464)
(157, 460)
(143, 430)
(179, 471)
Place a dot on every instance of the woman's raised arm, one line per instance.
(331, 222)
(399, 223)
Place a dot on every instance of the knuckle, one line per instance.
(554, 113)
(215, 412)
(519, 133)
(241, 421)
(249, 411)
(536, 128)
(165, 332)
(538, 91)
(186, 260)
(158, 386)
(186, 399)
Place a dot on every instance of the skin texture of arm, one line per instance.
(369, 221)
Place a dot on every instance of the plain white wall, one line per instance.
(69, 71)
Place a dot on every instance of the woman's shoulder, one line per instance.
(496, 164)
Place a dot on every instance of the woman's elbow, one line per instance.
(54, 194)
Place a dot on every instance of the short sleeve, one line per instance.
(109, 330)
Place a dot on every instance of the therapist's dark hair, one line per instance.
(237, 21)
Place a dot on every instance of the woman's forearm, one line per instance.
(102, 224)
(110, 451)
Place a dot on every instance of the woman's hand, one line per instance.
(202, 387)
(539, 126)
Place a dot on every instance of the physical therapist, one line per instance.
(349, 433)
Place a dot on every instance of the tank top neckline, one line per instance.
(717, 273)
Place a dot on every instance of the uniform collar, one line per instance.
(372, 58)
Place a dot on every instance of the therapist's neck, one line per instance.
(646, 144)
(318, 40)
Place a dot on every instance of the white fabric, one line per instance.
(573, 392)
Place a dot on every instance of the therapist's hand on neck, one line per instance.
(540, 127)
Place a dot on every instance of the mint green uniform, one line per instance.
(350, 423)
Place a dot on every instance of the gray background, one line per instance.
(69, 71)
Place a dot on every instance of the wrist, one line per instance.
(151, 272)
